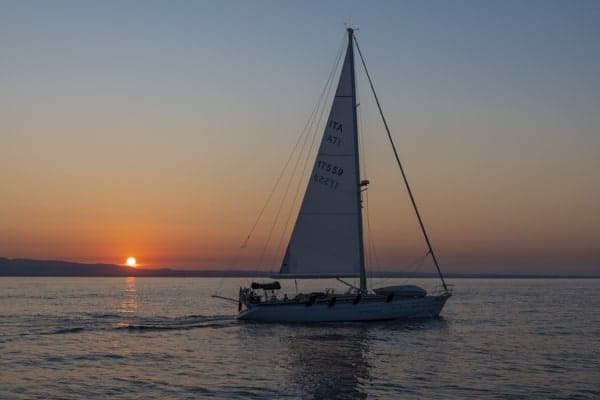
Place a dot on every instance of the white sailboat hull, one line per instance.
(369, 309)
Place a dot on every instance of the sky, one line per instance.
(157, 129)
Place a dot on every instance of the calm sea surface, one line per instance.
(166, 338)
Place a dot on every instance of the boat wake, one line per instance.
(182, 323)
(104, 322)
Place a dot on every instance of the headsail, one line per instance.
(327, 238)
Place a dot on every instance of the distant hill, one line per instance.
(25, 267)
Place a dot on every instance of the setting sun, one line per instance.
(131, 261)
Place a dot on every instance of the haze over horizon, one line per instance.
(157, 130)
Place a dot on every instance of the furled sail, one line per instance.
(326, 240)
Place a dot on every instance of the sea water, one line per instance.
(159, 338)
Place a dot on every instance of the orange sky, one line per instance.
(132, 134)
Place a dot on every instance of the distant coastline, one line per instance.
(48, 268)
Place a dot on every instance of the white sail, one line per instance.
(326, 240)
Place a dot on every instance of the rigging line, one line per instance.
(305, 130)
(413, 265)
(409, 268)
(276, 219)
(361, 134)
(412, 199)
(301, 138)
(304, 133)
(309, 126)
(365, 193)
(371, 242)
(279, 208)
(314, 125)
(372, 253)
(282, 173)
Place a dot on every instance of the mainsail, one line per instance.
(327, 237)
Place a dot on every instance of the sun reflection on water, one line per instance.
(129, 303)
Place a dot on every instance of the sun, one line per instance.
(131, 261)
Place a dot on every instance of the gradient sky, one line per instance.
(157, 129)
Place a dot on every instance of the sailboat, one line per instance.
(327, 238)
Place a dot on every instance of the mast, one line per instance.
(361, 248)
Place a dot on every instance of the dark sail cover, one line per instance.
(266, 286)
